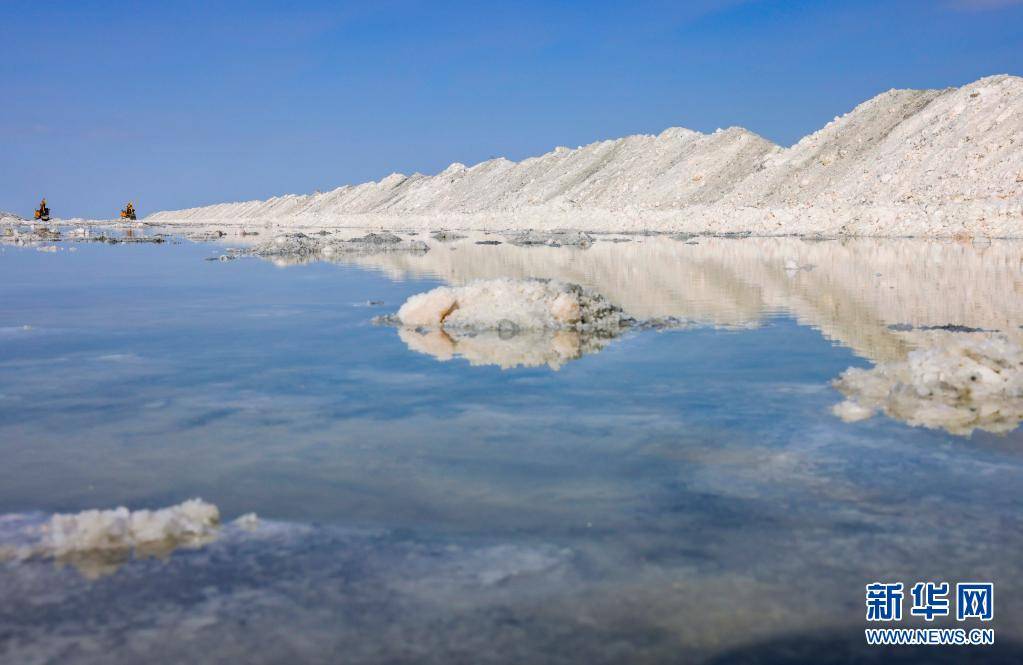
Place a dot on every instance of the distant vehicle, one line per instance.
(43, 213)
(129, 211)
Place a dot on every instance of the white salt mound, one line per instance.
(510, 305)
(904, 146)
(510, 322)
(123, 529)
(960, 384)
(676, 167)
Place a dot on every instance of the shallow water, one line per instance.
(684, 495)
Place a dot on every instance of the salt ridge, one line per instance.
(907, 162)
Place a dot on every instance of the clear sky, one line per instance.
(186, 103)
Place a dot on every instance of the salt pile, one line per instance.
(959, 384)
(907, 162)
(98, 542)
(510, 305)
(682, 165)
(510, 322)
(122, 529)
(905, 146)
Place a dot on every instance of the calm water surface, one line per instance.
(670, 496)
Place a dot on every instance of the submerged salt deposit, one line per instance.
(552, 239)
(300, 245)
(956, 382)
(907, 162)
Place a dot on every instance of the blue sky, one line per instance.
(187, 103)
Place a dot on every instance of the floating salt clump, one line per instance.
(958, 384)
(851, 412)
(301, 245)
(248, 521)
(510, 305)
(552, 239)
(446, 236)
(123, 529)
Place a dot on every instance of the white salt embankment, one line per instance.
(905, 163)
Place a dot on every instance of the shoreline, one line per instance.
(957, 220)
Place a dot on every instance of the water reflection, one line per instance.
(854, 291)
(523, 348)
(876, 297)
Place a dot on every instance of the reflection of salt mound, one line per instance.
(532, 348)
(960, 384)
(509, 305)
(122, 529)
